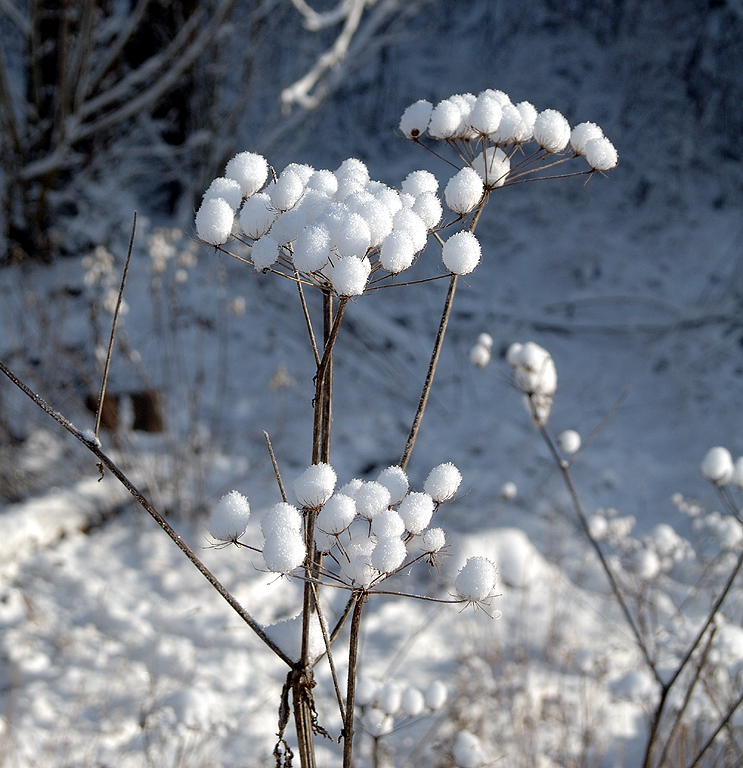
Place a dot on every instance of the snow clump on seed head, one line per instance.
(311, 248)
(249, 170)
(443, 482)
(476, 579)
(493, 168)
(281, 519)
(284, 553)
(315, 485)
(428, 207)
(257, 215)
(569, 441)
(349, 276)
(230, 517)
(397, 252)
(416, 511)
(387, 525)
(418, 182)
(468, 752)
(337, 514)
(464, 191)
(227, 189)
(445, 119)
(461, 253)
(581, 134)
(435, 695)
(371, 499)
(717, 465)
(415, 118)
(484, 118)
(388, 555)
(214, 221)
(396, 482)
(601, 154)
(551, 130)
(285, 193)
(432, 541)
(264, 253)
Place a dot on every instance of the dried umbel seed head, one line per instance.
(230, 517)
(443, 482)
(249, 170)
(315, 485)
(461, 253)
(476, 580)
(415, 119)
(551, 130)
(717, 465)
(214, 221)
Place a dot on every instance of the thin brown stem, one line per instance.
(353, 654)
(275, 466)
(307, 320)
(104, 378)
(329, 653)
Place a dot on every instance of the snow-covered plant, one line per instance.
(345, 235)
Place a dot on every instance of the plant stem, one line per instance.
(353, 653)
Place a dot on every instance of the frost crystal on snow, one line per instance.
(315, 485)
(461, 253)
(249, 170)
(396, 482)
(230, 517)
(717, 465)
(414, 120)
(214, 221)
(443, 482)
(464, 190)
(476, 579)
(551, 130)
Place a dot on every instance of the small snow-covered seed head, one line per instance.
(312, 248)
(461, 253)
(214, 221)
(227, 189)
(281, 519)
(433, 540)
(418, 182)
(485, 116)
(264, 253)
(349, 276)
(396, 482)
(230, 517)
(415, 118)
(428, 207)
(581, 134)
(435, 695)
(315, 485)
(413, 702)
(525, 130)
(445, 119)
(493, 168)
(284, 553)
(468, 752)
(354, 236)
(569, 441)
(534, 370)
(443, 482)
(601, 154)
(508, 491)
(337, 514)
(416, 511)
(323, 181)
(479, 355)
(464, 191)
(257, 215)
(486, 340)
(510, 125)
(285, 193)
(476, 579)
(249, 170)
(717, 465)
(388, 555)
(371, 499)
(406, 220)
(388, 524)
(551, 130)
(397, 252)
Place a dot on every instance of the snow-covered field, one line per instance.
(114, 651)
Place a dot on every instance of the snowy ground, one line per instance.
(115, 652)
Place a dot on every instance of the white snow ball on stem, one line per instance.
(435, 695)
(354, 236)
(645, 564)
(525, 131)
(397, 252)
(510, 125)
(418, 182)
(416, 510)
(598, 527)
(407, 200)
(349, 276)
(287, 226)
(485, 116)
(508, 491)
(396, 482)
(405, 220)
(479, 355)
(281, 519)
(249, 170)
(351, 487)
(324, 541)
(464, 191)
(366, 691)
(371, 499)
(388, 555)
(285, 193)
(486, 340)
(468, 752)
(304, 171)
(461, 253)
(359, 570)
(581, 134)
(513, 354)
(443, 482)
(284, 553)
(390, 698)
(445, 119)
(353, 168)
(413, 702)
(227, 189)
(337, 514)
(415, 118)
(257, 215)
(737, 476)
(230, 517)
(432, 541)
(375, 214)
(323, 181)
(377, 722)
(315, 485)
(493, 168)
(312, 248)
(476, 579)
(717, 465)
(287, 634)
(214, 221)
(569, 441)
(601, 154)
(264, 253)
(428, 207)
(551, 130)
(465, 102)
(389, 197)
(388, 524)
